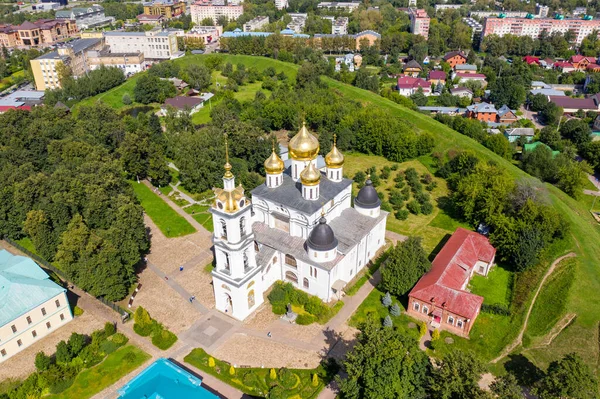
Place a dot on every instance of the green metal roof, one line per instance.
(23, 286)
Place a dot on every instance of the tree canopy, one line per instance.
(406, 263)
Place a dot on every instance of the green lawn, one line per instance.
(168, 221)
(116, 365)
(10, 80)
(26, 243)
(114, 97)
(496, 288)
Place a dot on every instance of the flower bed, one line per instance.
(147, 326)
(310, 308)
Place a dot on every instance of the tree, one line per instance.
(126, 99)
(568, 377)
(508, 91)
(578, 131)
(549, 135)
(76, 343)
(307, 75)
(538, 102)
(198, 76)
(395, 310)
(550, 114)
(387, 322)
(39, 228)
(63, 354)
(419, 98)
(506, 387)
(151, 89)
(364, 80)
(406, 263)
(386, 300)
(42, 361)
(457, 376)
(383, 364)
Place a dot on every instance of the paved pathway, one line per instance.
(519, 339)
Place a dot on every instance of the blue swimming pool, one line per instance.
(165, 380)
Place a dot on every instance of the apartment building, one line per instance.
(298, 21)
(419, 22)
(32, 305)
(256, 24)
(542, 10)
(340, 26)
(129, 63)
(533, 27)
(208, 34)
(41, 33)
(156, 44)
(203, 10)
(86, 18)
(167, 8)
(345, 6)
(281, 4)
(44, 68)
(507, 14)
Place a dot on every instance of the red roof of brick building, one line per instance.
(407, 82)
(450, 272)
(435, 75)
(529, 59)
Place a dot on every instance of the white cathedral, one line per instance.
(300, 228)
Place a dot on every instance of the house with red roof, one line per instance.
(531, 60)
(440, 297)
(593, 67)
(466, 76)
(580, 62)
(571, 105)
(455, 58)
(407, 86)
(435, 77)
(564, 66)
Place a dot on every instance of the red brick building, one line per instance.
(455, 58)
(439, 297)
(483, 112)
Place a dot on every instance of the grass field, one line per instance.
(10, 80)
(168, 221)
(94, 380)
(114, 97)
(201, 214)
(495, 288)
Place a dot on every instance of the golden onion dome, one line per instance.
(334, 159)
(303, 146)
(310, 176)
(274, 165)
(230, 200)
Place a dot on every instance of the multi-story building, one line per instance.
(281, 4)
(340, 26)
(345, 6)
(256, 23)
(156, 44)
(203, 10)
(44, 68)
(86, 18)
(298, 21)
(167, 8)
(61, 2)
(32, 306)
(419, 22)
(129, 63)
(508, 14)
(208, 34)
(542, 10)
(440, 7)
(476, 27)
(41, 33)
(533, 27)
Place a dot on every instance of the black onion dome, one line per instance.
(367, 196)
(322, 238)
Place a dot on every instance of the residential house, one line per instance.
(564, 66)
(182, 103)
(506, 115)
(436, 77)
(473, 77)
(9, 37)
(408, 85)
(412, 68)
(547, 63)
(452, 111)
(455, 58)
(207, 34)
(155, 20)
(466, 68)
(461, 92)
(572, 105)
(440, 297)
(347, 60)
(531, 60)
(32, 305)
(419, 22)
(519, 132)
(580, 62)
(340, 26)
(483, 112)
(593, 68)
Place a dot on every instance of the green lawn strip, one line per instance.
(295, 383)
(10, 80)
(205, 219)
(552, 300)
(116, 365)
(168, 221)
(196, 208)
(114, 97)
(496, 288)
(366, 274)
(26, 243)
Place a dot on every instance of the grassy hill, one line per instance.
(582, 298)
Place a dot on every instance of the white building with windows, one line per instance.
(31, 305)
(300, 228)
(203, 10)
(156, 44)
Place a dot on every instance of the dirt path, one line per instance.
(557, 329)
(519, 339)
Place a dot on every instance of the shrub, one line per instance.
(126, 99)
(272, 374)
(385, 172)
(77, 311)
(395, 167)
(305, 319)
(426, 208)
(431, 186)
(413, 207)
(496, 308)
(144, 331)
(211, 362)
(76, 343)
(279, 308)
(231, 370)
(297, 297)
(109, 329)
(395, 310)
(422, 197)
(42, 361)
(402, 214)
(164, 339)
(315, 306)
(386, 300)
(426, 178)
(277, 294)
(143, 322)
(63, 353)
(119, 339)
(91, 356)
(435, 335)
(287, 378)
(386, 206)
(315, 380)
(108, 347)
(422, 328)
(277, 392)
(387, 322)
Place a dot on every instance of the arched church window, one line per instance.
(290, 276)
(223, 229)
(227, 261)
(251, 299)
(246, 261)
(305, 283)
(242, 225)
(291, 261)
